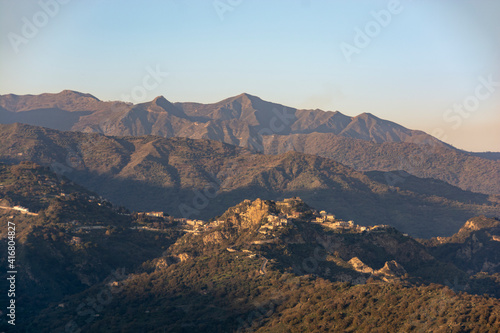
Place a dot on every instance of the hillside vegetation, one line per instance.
(364, 142)
(227, 279)
(201, 178)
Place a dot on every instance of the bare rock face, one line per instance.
(161, 263)
(473, 246)
(479, 223)
(215, 237)
(471, 225)
(254, 213)
(391, 270)
(183, 257)
(249, 213)
(360, 266)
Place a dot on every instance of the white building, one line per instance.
(21, 209)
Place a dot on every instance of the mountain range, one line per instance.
(201, 178)
(364, 142)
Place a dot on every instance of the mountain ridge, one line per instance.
(200, 178)
(364, 142)
(245, 101)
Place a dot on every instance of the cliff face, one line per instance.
(475, 246)
(480, 222)
(249, 214)
(391, 271)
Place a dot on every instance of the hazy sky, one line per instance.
(409, 61)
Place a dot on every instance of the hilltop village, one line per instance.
(291, 210)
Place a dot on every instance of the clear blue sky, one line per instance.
(428, 57)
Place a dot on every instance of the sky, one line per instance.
(428, 65)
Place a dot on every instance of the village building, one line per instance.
(272, 218)
(155, 214)
(194, 222)
(283, 221)
(294, 215)
(21, 209)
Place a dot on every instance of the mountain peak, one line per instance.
(246, 97)
(164, 105)
(366, 115)
(73, 93)
(244, 94)
(160, 100)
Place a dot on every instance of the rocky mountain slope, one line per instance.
(69, 239)
(364, 142)
(469, 171)
(475, 247)
(270, 266)
(261, 265)
(201, 178)
(239, 120)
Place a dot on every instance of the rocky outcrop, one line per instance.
(183, 257)
(360, 266)
(479, 223)
(391, 271)
(161, 263)
(250, 213)
(471, 225)
(215, 237)
(470, 248)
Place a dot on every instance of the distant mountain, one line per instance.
(58, 111)
(265, 118)
(67, 100)
(479, 172)
(201, 178)
(241, 120)
(364, 142)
